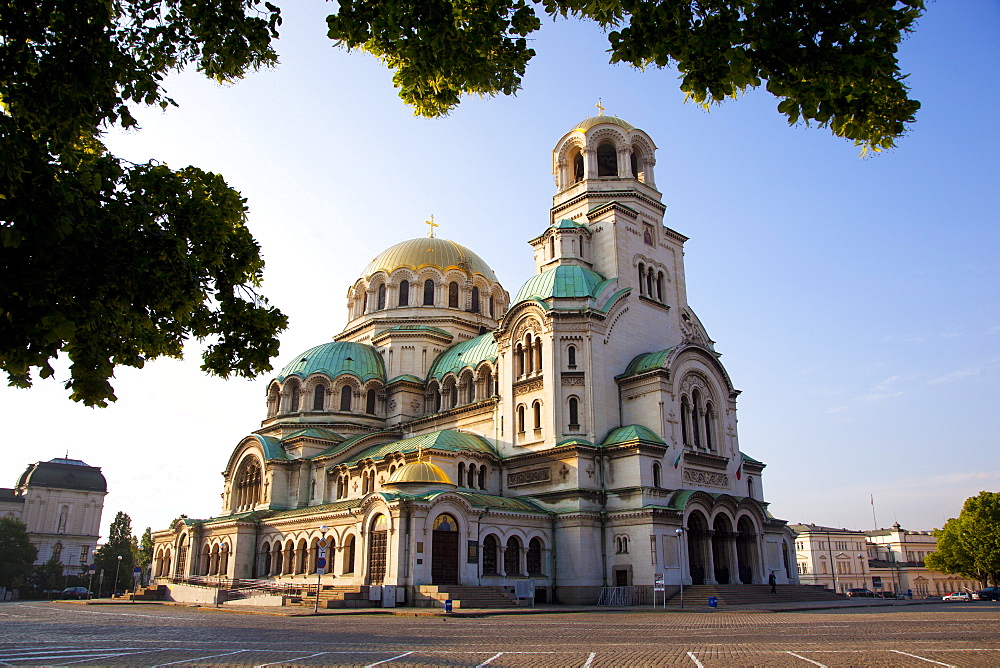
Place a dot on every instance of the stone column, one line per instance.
(710, 558)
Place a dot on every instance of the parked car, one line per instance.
(989, 594)
(860, 592)
(958, 596)
(75, 592)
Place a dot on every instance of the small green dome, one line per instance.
(568, 281)
(336, 359)
(590, 122)
(465, 354)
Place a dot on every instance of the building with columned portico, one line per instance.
(454, 435)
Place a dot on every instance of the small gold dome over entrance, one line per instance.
(420, 472)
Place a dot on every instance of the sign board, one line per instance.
(658, 582)
(524, 589)
(321, 563)
(137, 570)
(876, 581)
(321, 552)
(323, 544)
(320, 570)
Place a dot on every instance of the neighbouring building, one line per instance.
(61, 502)
(883, 560)
(451, 434)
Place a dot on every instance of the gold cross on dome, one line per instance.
(600, 107)
(433, 225)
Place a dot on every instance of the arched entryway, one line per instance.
(746, 550)
(722, 534)
(444, 550)
(697, 533)
(378, 543)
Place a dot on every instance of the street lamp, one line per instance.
(680, 563)
(320, 554)
(117, 568)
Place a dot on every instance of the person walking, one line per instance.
(773, 581)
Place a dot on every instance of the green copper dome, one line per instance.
(416, 254)
(336, 359)
(567, 281)
(465, 354)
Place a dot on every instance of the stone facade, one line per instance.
(578, 425)
(61, 502)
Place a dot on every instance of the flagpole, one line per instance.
(874, 521)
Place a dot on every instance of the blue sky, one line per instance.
(855, 301)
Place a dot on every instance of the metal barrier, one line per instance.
(622, 596)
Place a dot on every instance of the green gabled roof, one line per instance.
(314, 432)
(494, 502)
(417, 328)
(271, 446)
(326, 507)
(611, 203)
(345, 445)
(647, 362)
(575, 441)
(467, 354)
(750, 460)
(630, 433)
(566, 281)
(335, 359)
(407, 377)
(448, 439)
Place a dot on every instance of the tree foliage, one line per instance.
(969, 545)
(144, 556)
(120, 543)
(830, 63)
(17, 554)
(48, 576)
(108, 262)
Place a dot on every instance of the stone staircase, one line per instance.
(148, 593)
(463, 597)
(698, 595)
(331, 597)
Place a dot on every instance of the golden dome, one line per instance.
(435, 252)
(420, 472)
(590, 122)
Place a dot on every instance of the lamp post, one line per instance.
(680, 563)
(117, 568)
(320, 554)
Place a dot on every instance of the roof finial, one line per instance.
(600, 107)
(420, 453)
(433, 225)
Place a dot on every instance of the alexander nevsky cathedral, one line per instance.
(579, 435)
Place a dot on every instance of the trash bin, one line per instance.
(713, 602)
(447, 605)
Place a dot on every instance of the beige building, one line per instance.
(581, 434)
(897, 557)
(61, 502)
(834, 558)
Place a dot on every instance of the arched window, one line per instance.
(472, 475)
(518, 360)
(659, 286)
(293, 404)
(404, 293)
(319, 394)
(656, 475)
(491, 307)
(475, 300)
(520, 419)
(273, 400)
(538, 354)
(529, 356)
(461, 474)
(650, 276)
(247, 486)
(695, 415)
(345, 397)
(349, 555)
(552, 247)
(381, 297)
(709, 418)
(57, 552)
(634, 162)
(536, 409)
(491, 549)
(574, 412)
(607, 160)
(512, 557)
(685, 413)
(453, 295)
(642, 278)
(578, 168)
(370, 402)
(428, 292)
(534, 557)
(482, 477)
(571, 357)
(437, 399)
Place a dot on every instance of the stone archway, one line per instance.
(444, 550)
(746, 550)
(722, 536)
(697, 535)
